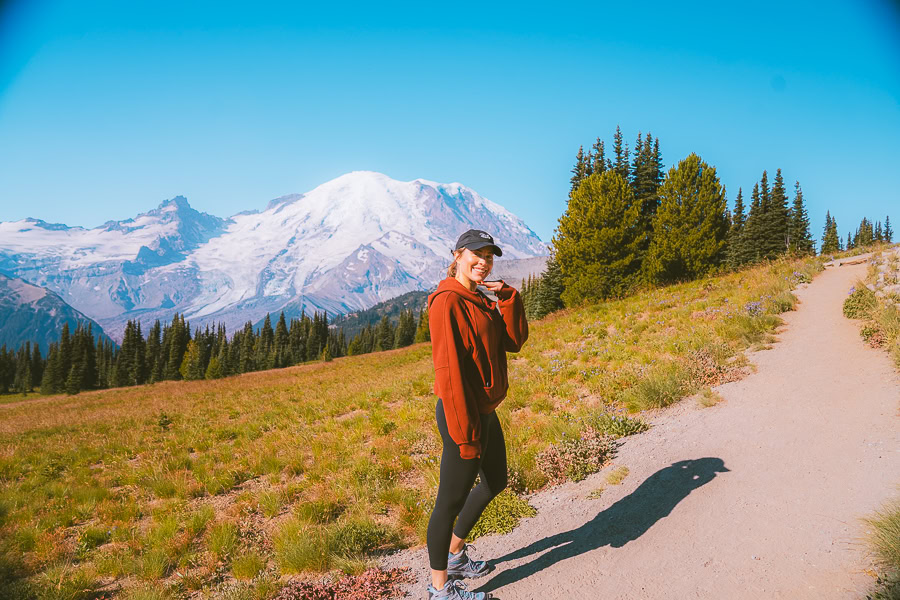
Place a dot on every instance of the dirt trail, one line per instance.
(757, 497)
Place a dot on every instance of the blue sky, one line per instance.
(108, 108)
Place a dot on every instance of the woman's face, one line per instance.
(475, 265)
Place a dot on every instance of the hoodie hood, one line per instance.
(451, 285)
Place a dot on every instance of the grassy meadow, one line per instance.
(224, 488)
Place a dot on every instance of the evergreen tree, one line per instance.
(124, 358)
(579, 171)
(599, 164)
(22, 378)
(865, 234)
(423, 334)
(192, 366)
(73, 381)
(879, 236)
(620, 150)
(355, 345)
(850, 244)
(139, 362)
(65, 355)
(762, 222)
(103, 364)
(175, 345)
(51, 382)
(265, 358)
(384, 335)
(888, 232)
(214, 369)
(750, 249)
(691, 224)
(549, 294)
(598, 239)
(37, 366)
(645, 182)
(800, 236)
(282, 343)
(734, 252)
(830, 241)
(296, 341)
(246, 362)
(777, 221)
(7, 370)
(406, 329)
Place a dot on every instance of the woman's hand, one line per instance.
(493, 286)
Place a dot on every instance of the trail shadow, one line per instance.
(624, 521)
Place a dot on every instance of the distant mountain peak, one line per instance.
(179, 202)
(347, 244)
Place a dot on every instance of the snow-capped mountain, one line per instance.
(29, 313)
(346, 245)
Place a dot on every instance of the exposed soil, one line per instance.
(759, 496)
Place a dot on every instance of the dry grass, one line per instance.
(709, 397)
(617, 475)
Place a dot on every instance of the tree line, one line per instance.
(627, 225)
(78, 362)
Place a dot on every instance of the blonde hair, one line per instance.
(451, 270)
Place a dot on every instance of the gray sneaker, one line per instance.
(460, 565)
(455, 589)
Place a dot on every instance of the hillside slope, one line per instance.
(760, 496)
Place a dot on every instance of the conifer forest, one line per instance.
(629, 224)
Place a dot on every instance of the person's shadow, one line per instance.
(624, 521)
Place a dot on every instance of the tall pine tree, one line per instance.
(738, 219)
(621, 153)
(800, 236)
(691, 224)
(598, 239)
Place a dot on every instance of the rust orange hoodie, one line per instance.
(469, 341)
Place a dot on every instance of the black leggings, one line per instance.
(456, 496)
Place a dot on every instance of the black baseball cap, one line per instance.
(474, 239)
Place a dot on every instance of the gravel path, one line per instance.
(759, 496)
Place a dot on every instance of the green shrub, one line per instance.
(153, 564)
(748, 328)
(663, 386)
(502, 515)
(782, 302)
(302, 547)
(888, 319)
(65, 582)
(320, 511)
(198, 521)
(248, 566)
(860, 303)
(223, 539)
(522, 471)
(147, 592)
(91, 538)
(617, 476)
(576, 457)
(885, 541)
(872, 334)
(885, 537)
(270, 502)
(360, 536)
(617, 425)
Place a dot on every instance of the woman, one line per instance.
(470, 336)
